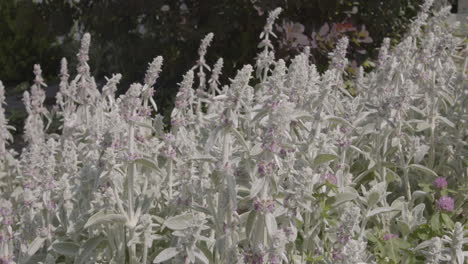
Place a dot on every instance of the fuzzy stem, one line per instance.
(130, 187)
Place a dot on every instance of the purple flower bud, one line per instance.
(6, 260)
(389, 236)
(7, 221)
(330, 178)
(133, 156)
(262, 170)
(257, 204)
(264, 206)
(274, 259)
(440, 183)
(337, 255)
(445, 203)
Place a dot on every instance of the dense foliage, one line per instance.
(125, 33)
(281, 165)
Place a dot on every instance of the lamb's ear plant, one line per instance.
(282, 164)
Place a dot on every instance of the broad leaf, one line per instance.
(423, 169)
(66, 248)
(35, 245)
(344, 197)
(166, 254)
(103, 218)
(88, 249)
(322, 158)
(380, 210)
(179, 222)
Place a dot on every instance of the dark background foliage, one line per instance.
(29, 31)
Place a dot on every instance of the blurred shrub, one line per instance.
(26, 38)
(128, 34)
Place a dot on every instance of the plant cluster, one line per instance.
(281, 165)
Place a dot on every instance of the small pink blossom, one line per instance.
(440, 182)
(445, 203)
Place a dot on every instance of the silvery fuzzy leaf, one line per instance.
(35, 245)
(344, 197)
(323, 158)
(417, 110)
(396, 142)
(66, 248)
(447, 98)
(249, 223)
(372, 199)
(201, 209)
(207, 158)
(231, 183)
(258, 230)
(257, 186)
(380, 210)
(256, 150)
(417, 194)
(305, 206)
(102, 217)
(212, 138)
(271, 225)
(147, 163)
(366, 129)
(17, 192)
(190, 253)
(392, 176)
(421, 151)
(424, 244)
(379, 188)
(201, 256)
(166, 254)
(88, 249)
(260, 115)
(179, 222)
(417, 214)
(422, 125)
(446, 121)
(338, 119)
(145, 125)
(240, 138)
(371, 164)
(302, 115)
(423, 169)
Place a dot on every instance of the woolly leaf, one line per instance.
(66, 248)
(102, 217)
(88, 249)
(35, 245)
(344, 197)
(380, 211)
(423, 169)
(323, 158)
(271, 225)
(446, 121)
(147, 163)
(179, 222)
(166, 254)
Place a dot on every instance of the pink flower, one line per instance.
(445, 203)
(440, 183)
(293, 35)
